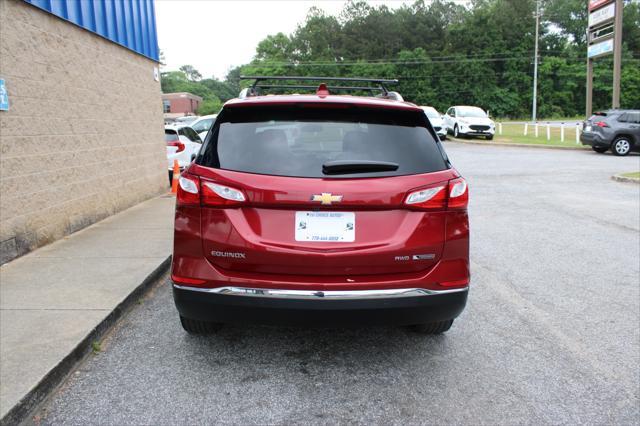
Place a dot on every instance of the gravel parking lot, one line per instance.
(550, 334)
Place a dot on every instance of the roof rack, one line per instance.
(377, 85)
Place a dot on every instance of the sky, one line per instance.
(217, 35)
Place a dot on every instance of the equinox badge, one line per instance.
(235, 255)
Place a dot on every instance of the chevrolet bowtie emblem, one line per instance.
(326, 198)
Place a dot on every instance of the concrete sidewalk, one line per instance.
(54, 298)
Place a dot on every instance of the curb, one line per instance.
(520, 145)
(59, 373)
(620, 178)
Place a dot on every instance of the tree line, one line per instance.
(445, 53)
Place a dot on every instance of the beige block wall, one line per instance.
(83, 138)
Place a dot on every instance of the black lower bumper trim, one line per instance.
(387, 311)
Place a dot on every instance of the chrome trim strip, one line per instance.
(322, 295)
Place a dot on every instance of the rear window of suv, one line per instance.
(298, 141)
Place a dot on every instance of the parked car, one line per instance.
(186, 120)
(321, 209)
(183, 144)
(203, 124)
(436, 121)
(617, 130)
(469, 121)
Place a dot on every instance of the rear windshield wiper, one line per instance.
(339, 167)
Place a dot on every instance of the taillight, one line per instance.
(453, 195)
(600, 124)
(214, 194)
(428, 198)
(177, 144)
(193, 191)
(188, 191)
(458, 194)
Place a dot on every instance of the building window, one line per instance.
(166, 105)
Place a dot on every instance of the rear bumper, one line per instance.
(593, 139)
(362, 307)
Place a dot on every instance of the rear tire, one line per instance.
(490, 137)
(438, 327)
(621, 146)
(199, 327)
(599, 149)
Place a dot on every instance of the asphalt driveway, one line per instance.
(550, 334)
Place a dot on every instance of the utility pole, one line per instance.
(535, 67)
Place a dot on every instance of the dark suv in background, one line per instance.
(617, 130)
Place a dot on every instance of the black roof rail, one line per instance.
(378, 84)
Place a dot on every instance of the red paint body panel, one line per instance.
(388, 231)
(280, 191)
(319, 101)
(263, 229)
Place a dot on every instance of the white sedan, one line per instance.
(469, 121)
(183, 144)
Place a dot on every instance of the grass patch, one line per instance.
(95, 347)
(541, 120)
(633, 175)
(514, 133)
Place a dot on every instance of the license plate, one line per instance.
(337, 227)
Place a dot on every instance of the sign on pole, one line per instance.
(604, 37)
(602, 15)
(594, 4)
(600, 49)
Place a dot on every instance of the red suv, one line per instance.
(321, 209)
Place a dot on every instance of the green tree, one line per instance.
(274, 47)
(212, 91)
(191, 73)
(209, 106)
(451, 52)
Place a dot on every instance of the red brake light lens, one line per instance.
(177, 144)
(192, 191)
(458, 194)
(432, 198)
(453, 195)
(214, 194)
(601, 124)
(185, 280)
(188, 191)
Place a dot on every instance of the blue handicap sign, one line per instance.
(4, 97)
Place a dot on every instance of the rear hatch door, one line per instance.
(301, 216)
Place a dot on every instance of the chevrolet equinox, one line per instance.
(321, 208)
